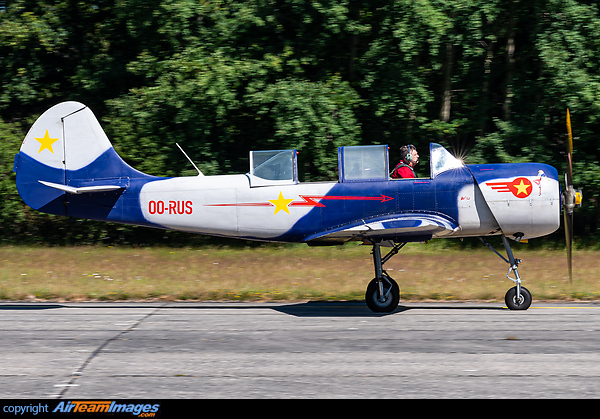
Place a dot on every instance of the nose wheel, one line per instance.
(522, 302)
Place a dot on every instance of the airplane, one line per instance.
(67, 166)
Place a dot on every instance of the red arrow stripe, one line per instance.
(242, 204)
(381, 198)
(309, 200)
(500, 186)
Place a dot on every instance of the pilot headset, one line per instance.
(408, 157)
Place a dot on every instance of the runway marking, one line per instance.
(569, 308)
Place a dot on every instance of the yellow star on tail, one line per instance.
(46, 142)
(281, 204)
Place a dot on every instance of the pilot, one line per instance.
(408, 160)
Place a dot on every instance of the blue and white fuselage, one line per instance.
(67, 166)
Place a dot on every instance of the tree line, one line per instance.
(489, 79)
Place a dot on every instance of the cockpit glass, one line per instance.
(273, 165)
(442, 160)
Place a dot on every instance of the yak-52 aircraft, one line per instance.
(67, 166)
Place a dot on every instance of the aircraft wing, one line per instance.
(396, 227)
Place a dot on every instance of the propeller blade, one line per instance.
(570, 132)
(571, 198)
(569, 240)
(569, 151)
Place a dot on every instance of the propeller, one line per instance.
(571, 198)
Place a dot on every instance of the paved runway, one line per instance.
(304, 350)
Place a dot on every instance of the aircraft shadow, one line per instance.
(30, 306)
(359, 309)
(304, 309)
(331, 309)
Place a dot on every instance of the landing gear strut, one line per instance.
(383, 293)
(518, 297)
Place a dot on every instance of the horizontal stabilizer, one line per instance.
(84, 189)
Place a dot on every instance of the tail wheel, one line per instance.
(385, 302)
(522, 302)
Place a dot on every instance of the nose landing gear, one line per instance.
(518, 297)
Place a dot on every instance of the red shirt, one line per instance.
(403, 171)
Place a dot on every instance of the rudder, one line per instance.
(67, 165)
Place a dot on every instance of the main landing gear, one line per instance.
(383, 293)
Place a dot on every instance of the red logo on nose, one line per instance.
(520, 187)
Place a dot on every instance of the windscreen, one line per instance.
(442, 160)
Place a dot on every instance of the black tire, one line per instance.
(372, 296)
(513, 303)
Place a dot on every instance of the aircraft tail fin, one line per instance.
(67, 165)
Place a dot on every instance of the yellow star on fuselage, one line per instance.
(522, 188)
(281, 204)
(46, 142)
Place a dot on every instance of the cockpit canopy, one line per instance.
(367, 163)
(273, 167)
(370, 163)
(442, 161)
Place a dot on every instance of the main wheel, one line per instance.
(390, 299)
(517, 303)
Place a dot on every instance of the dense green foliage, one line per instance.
(491, 79)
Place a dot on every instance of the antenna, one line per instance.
(190, 160)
